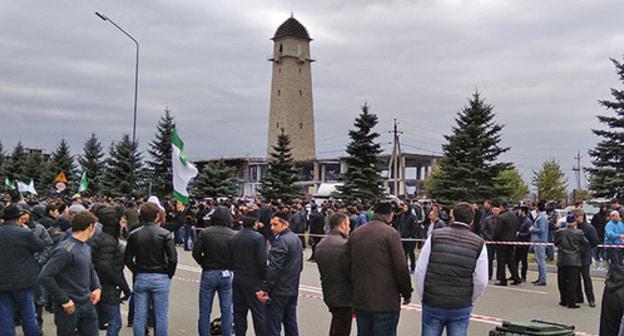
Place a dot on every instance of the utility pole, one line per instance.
(395, 166)
(577, 170)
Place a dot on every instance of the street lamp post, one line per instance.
(136, 89)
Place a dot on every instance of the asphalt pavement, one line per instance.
(519, 303)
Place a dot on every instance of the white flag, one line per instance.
(22, 187)
(31, 187)
(183, 170)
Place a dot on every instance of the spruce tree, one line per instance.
(123, 157)
(3, 162)
(550, 182)
(160, 152)
(510, 185)
(469, 167)
(281, 174)
(35, 168)
(607, 173)
(62, 161)
(15, 164)
(362, 180)
(216, 179)
(92, 162)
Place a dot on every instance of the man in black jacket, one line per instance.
(19, 273)
(152, 258)
(571, 243)
(612, 301)
(281, 288)
(407, 224)
(212, 252)
(504, 231)
(108, 260)
(592, 236)
(249, 257)
(317, 225)
(333, 265)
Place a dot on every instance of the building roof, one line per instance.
(291, 28)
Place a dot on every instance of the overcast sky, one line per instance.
(64, 73)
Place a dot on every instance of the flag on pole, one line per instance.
(183, 170)
(83, 182)
(31, 187)
(22, 187)
(8, 185)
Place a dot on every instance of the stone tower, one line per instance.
(291, 108)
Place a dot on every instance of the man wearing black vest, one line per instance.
(451, 275)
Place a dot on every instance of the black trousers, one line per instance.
(314, 241)
(491, 251)
(567, 279)
(587, 285)
(341, 321)
(505, 258)
(408, 248)
(521, 256)
(84, 320)
(611, 311)
(244, 298)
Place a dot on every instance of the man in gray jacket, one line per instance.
(333, 264)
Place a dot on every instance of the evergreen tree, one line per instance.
(3, 162)
(550, 182)
(362, 180)
(510, 185)
(92, 162)
(216, 179)
(15, 166)
(607, 174)
(160, 152)
(35, 168)
(120, 179)
(62, 161)
(469, 167)
(281, 174)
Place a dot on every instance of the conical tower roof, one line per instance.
(291, 28)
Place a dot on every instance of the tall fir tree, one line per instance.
(607, 173)
(61, 160)
(282, 175)
(120, 180)
(510, 185)
(362, 180)
(92, 161)
(15, 164)
(469, 167)
(550, 182)
(35, 169)
(216, 179)
(3, 162)
(160, 173)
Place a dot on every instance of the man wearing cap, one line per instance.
(379, 274)
(249, 257)
(19, 273)
(571, 243)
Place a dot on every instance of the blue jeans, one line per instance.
(25, 303)
(540, 257)
(84, 320)
(282, 309)
(377, 324)
(213, 281)
(434, 320)
(156, 286)
(189, 237)
(110, 314)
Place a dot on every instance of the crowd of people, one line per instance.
(67, 256)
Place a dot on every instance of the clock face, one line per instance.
(60, 187)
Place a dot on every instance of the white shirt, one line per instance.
(479, 276)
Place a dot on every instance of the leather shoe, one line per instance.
(563, 304)
(592, 304)
(574, 306)
(500, 283)
(536, 281)
(539, 284)
(516, 282)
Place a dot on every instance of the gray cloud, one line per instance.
(544, 65)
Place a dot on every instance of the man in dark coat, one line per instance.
(524, 235)
(505, 231)
(612, 301)
(249, 257)
(19, 273)
(281, 287)
(379, 275)
(571, 243)
(333, 264)
(487, 233)
(592, 236)
(317, 225)
(108, 259)
(408, 227)
(264, 214)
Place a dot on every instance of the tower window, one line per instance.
(299, 70)
(281, 48)
(300, 125)
(277, 125)
(279, 92)
(279, 70)
(300, 93)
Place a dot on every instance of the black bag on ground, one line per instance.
(533, 328)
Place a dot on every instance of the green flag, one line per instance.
(8, 184)
(183, 170)
(83, 182)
